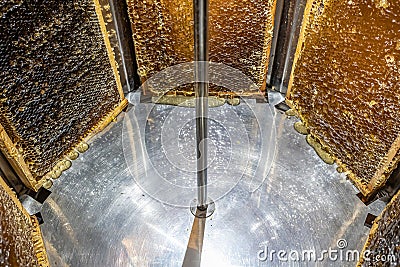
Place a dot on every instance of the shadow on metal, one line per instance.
(195, 244)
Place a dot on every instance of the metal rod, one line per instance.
(120, 45)
(294, 37)
(273, 49)
(201, 89)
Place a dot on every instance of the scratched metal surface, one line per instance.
(110, 210)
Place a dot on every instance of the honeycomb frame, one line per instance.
(32, 251)
(172, 23)
(314, 51)
(385, 229)
(115, 99)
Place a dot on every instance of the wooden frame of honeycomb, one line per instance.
(94, 17)
(30, 252)
(345, 86)
(240, 37)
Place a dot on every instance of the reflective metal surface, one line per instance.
(103, 213)
(287, 26)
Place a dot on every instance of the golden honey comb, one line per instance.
(345, 85)
(240, 37)
(383, 244)
(21, 240)
(58, 80)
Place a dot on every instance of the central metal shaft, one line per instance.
(201, 88)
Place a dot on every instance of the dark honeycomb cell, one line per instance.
(383, 244)
(345, 85)
(240, 36)
(56, 79)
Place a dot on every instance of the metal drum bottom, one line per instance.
(126, 201)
